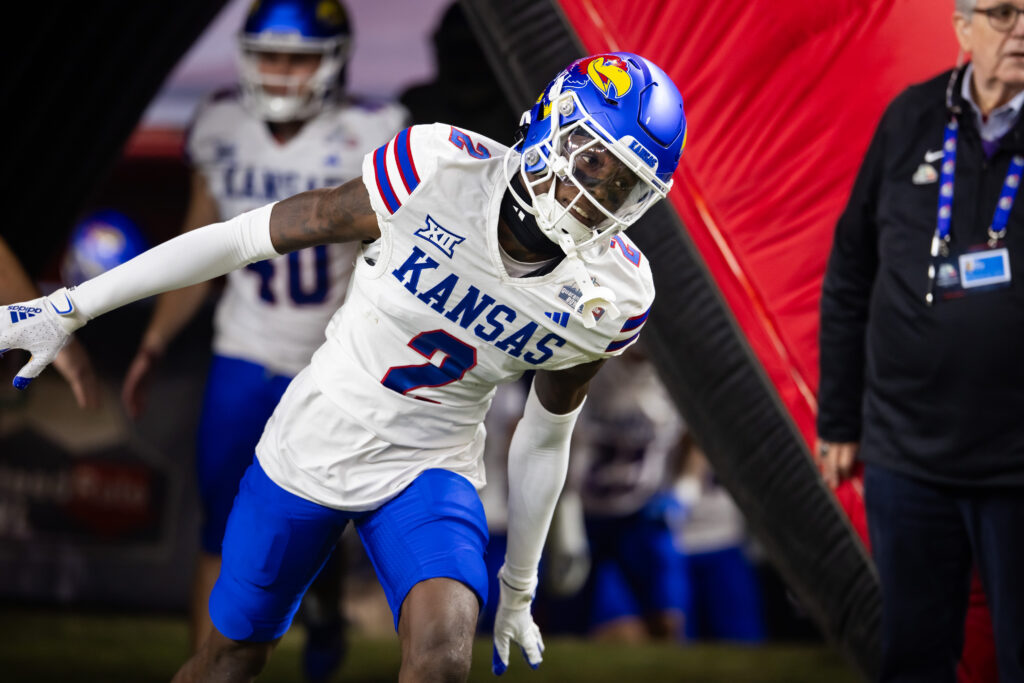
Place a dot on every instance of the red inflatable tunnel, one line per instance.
(781, 101)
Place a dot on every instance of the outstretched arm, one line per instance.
(340, 214)
(538, 459)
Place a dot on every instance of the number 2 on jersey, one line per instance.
(463, 141)
(459, 358)
(631, 254)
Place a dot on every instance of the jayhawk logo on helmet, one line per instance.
(620, 109)
(608, 72)
(331, 13)
(545, 103)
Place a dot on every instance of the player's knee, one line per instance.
(442, 650)
(239, 658)
(454, 661)
(444, 657)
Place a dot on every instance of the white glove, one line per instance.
(568, 552)
(42, 327)
(513, 622)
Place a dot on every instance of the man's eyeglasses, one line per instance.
(1001, 17)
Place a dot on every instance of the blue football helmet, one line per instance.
(598, 149)
(318, 27)
(100, 241)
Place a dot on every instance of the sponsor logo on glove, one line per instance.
(19, 313)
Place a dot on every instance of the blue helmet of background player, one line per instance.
(99, 242)
(610, 130)
(307, 27)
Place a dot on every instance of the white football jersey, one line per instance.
(432, 325)
(274, 312)
(628, 438)
(714, 522)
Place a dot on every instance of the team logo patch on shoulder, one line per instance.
(440, 236)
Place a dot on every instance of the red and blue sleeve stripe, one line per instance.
(634, 323)
(392, 186)
(618, 344)
(380, 171)
(406, 166)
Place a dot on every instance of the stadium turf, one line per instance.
(43, 646)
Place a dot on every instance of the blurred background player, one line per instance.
(72, 362)
(287, 129)
(625, 458)
(723, 592)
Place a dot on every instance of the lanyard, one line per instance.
(996, 231)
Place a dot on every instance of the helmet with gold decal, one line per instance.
(599, 148)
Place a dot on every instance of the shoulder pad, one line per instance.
(394, 170)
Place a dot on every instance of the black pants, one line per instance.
(925, 539)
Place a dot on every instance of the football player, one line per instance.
(724, 596)
(287, 129)
(479, 263)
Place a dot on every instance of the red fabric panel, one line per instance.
(781, 101)
(978, 661)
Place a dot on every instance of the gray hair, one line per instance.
(965, 6)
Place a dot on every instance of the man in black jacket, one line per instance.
(922, 324)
